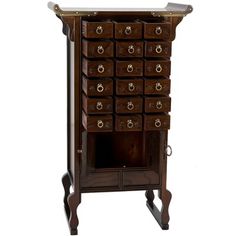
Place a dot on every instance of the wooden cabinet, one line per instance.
(118, 76)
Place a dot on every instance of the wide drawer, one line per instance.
(128, 123)
(129, 86)
(103, 68)
(157, 49)
(101, 87)
(128, 30)
(157, 104)
(129, 68)
(129, 105)
(157, 68)
(97, 123)
(129, 49)
(157, 30)
(97, 105)
(157, 86)
(97, 29)
(156, 122)
(97, 49)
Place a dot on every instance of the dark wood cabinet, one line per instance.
(118, 77)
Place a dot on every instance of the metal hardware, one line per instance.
(128, 30)
(157, 123)
(131, 49)
(158, 105)
(168, 150)
(158, 49)
(158, 30)
(79, 151)
(101, 69)
(158, 86)
(130, 68)
(100, 50)
(99, 30)
(100, 88)
(130, 124)
(130, 106)
(158, 68)
(131, 87)
(100, 124)
(99, 106)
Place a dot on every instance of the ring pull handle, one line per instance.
(130, 68)
(130, 124)
(158, 49)
(99, 30)
(131, 87)
(131, 49)
(100, 124)
(168, 150)
(157, 123)
(100, 88)
(158, 30)
(130, 106)
(128, 30)
(99, 106)
(158, 68)
(159, 105)
(100, 49)
(101, 69)
(158, 86)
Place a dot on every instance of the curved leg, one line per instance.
(66, 184)
(150, 197)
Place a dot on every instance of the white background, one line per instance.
(201, 172)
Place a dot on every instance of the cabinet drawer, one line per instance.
(129, 105)
(97, 49)
(157, 86)
(129, 87)
(97, 105)
(157, 104)
(129, 49)
(128, 30)
(128, 123)
(157, 30)
(157, 68)
(97, 123)
(97, 29)
(156, 122)
(129, 68)
(103, 68)
(157, 49)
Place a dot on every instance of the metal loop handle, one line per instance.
(100, 49)
(99, 106)
(130, 106)
(100, 124)
(157, 123)
(158, 86)
(128, 30)
(131, 87)
(101, 69)
(158, 68)
(99, 30)
(130, 68)
(131, 49)
(168, 150)
(130, 124)
(158, 49)
(100, 88)
(159, 105)
(158, 30)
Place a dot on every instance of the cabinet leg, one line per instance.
(66, 184)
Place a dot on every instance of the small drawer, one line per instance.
(157, 30)
(157, 49)
(128, 123)
(129, 105)
(156, 122)
(97, 123)
(98, 68)
(103, 87)
(157, 86)
(129, 49)
(129, 68)
(157, 68)
(97, 29)
(97, 105)
(97, 49)
(129, 86)
(128, 30)
(157, 104)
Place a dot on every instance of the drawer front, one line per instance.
(156, 122)
(129, 49)
(157, 86)
(157, 49)
(98, 68)
(102, 87)
(157, 31)
(157, 104)
(97, 49)
(128, 123)
(129, 68)
(129, 105)
(128, 30)
(97, 123)
(129, 87)
(97, 29)
(97, 105)
(157, 68)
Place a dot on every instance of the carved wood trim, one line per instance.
(68, 27)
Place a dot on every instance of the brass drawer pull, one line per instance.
(100, 124)
(131, 49)
(99, 30)
(158, 86)
(158, 30)
(158, 105)
(100, 50)
(130, 124)
(130, 68)
(158, 68)
(99, 106)
(158, 49)
(100, 88)
(128, 30)
(101, 69)
(130, 106)
(157, 123)
(131, 87)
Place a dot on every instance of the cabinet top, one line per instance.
(171, 9)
